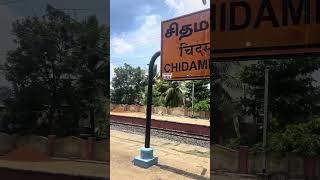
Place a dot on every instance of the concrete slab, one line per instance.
(176, 160)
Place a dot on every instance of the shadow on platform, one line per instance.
(184, 173)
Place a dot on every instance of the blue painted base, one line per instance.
(146, 158)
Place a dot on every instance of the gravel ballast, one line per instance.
(162, 134)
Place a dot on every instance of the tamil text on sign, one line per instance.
(185, 47)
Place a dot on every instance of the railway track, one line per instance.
(175, 136)
(169, 132)
(177, 127)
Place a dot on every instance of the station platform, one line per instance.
(180, 119)
(176, 160)
(54, 169)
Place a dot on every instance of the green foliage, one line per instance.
(91, 85)
(233, 143)
(257, 148)
(293, 102)
(165, 93)
(203, 105)
(42, 62)
(302, 138)
(201, 91)
(103, 130)
(224, 77)
(292, 95)
(63, 64)
(173, 96)
(159, 89)
(128, 85)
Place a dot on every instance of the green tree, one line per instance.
(159, 87)
(92, 67)
(223, 107)
(64, 64)
(43, 57)
(202, 105)
(201, 89)
(165, 93)
(302, 138)
(293, 96)
(128, 85)
(173, 96)
(158, 90)
(201, 94)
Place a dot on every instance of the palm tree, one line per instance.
(94, 62)
(165, 93)
(173, 96)
(223, 106)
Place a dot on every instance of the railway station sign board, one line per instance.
(185, 47)
(250, 28)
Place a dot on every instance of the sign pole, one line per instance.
(265, 119)
(146, 158)
(149, 99)
(192, 99)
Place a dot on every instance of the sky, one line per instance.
(135, 25)
(136, 28)
(11, 10)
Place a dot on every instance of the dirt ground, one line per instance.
(176, 160)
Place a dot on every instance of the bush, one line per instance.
(303, 138)
(233, 143)
(257, 148)
(203, 105)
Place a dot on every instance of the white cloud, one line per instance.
(182, 7)
(149, 31)
(142, 42)
(147, 8)
(112, 67)
(147, 34)
(120, 46)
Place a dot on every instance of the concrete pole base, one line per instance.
(146, 158)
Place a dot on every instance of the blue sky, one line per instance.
(135, 28)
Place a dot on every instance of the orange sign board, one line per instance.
(264, 27)
(185, 47)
